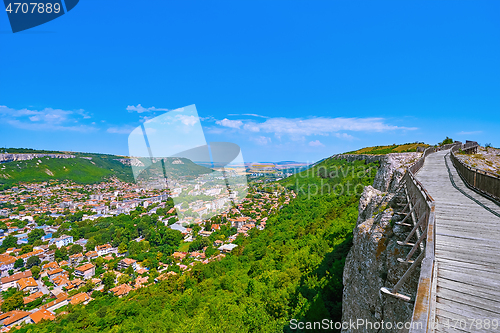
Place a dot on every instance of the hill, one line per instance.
(82, 168)
(380, 150)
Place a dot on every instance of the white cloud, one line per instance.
(469, 133)
(121, 129)
(45, 119)
(261, 140)
(299, 128)
(229, 123)
(248, 114)
(344, 136)
(140, 109)
(316, 143)
(187, 120)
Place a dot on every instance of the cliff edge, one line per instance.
(372, 261)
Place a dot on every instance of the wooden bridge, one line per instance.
(457, 233)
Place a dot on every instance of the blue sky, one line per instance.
(285, 80)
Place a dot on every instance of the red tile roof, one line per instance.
(42, 315)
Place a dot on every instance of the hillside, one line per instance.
(82, 168)
(290, 270)
(79, 170)
(380, 150)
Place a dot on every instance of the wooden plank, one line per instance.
(463, 311)
(464, 270)
(466, 237)
(450, 322)
(473, 300)
(470, 279)
(470, 289)
(467, 257)
(478, 267)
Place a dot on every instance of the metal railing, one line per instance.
(485, 182)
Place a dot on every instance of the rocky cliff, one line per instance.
(25, 157)
(372, 261)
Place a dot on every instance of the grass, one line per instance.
(184, 247)
(380, 150)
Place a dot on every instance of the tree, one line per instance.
(33, 261)
(75, 248)
(26, 249)
(91, 244)
(100, 261)
(129, 270)
(35, 271)
(89, 285)
(53, 247)
(196, 230)
(13, 302)
(9, 241)
(123, 279)
(108, 280)
(122, 248)
(446, 141)
(35, 235)
(61, 254)
(19, 263)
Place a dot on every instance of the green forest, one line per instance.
(80, 170)
(291, 269)
(87, 168)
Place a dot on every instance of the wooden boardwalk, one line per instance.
(467, 251)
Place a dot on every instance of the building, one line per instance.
(91, 255)
(54, 273)
(227, 247)
(48, 256)
(103, 250)
(10, 281)
(50, 265)
(6, 263)
(62, 300)
(27, 285)
(76, 258)
(64, 240)
(121, 290)
(125, 263)
(86, 271)
(80, 298)
(64, 263)
(14, 318)
(40, 315)
(32, 297)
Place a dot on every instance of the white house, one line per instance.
(64, 240)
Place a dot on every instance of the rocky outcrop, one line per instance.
(130, 161)
(372, 261)
(25, 157)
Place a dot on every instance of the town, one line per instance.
(64, 244)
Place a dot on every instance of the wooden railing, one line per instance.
(485, 182)
(421, 212)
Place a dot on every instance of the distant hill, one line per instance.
(84, 168)
(381, 150)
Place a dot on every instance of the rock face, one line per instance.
(372, 261)
(130, 161)
(25, 157)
